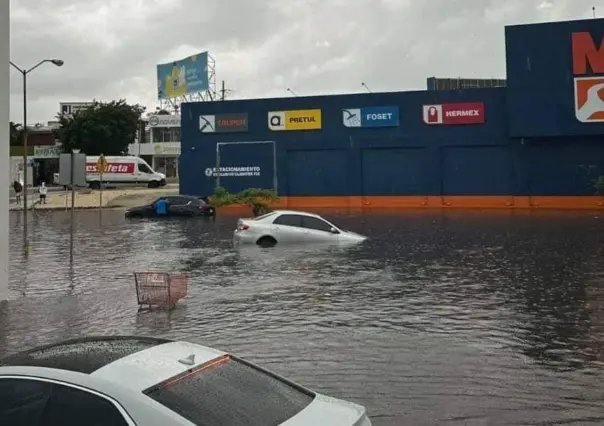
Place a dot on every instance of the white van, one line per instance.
(123, 171)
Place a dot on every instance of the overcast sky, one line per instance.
(261, 47)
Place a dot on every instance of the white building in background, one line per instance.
(162, 147)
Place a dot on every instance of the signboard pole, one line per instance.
(101, 192)
(72, 183)
(73, 192)
(101, 166)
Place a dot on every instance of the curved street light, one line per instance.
(24, 72)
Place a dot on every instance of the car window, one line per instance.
(316, 224)
(208, 396)
(22, 401)
(177, 201)
(69, 406)
(288, 220)
(143, 168)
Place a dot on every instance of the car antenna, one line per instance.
(190, 360)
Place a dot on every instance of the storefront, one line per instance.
(536, 143)
(46, 163)
(165, 158)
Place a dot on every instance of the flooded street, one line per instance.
(440, 318)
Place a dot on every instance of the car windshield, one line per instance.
(228, 391)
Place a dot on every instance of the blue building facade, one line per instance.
(537, 142)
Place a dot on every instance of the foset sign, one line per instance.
(111, 168)
(454, 113)
(588, 72)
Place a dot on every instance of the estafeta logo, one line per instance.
(112, 168)
(588, 71)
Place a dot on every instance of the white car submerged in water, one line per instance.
(289, 226)
(137, 381)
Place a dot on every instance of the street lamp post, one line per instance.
(24, 72)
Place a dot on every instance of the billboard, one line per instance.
(304, 119)
(70, 108)
(182, 77)
(455, 113)
(379, 116)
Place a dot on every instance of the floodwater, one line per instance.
(451, 318)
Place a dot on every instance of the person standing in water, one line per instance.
(18, 188)
(43, 190)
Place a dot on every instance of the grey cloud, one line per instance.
(261, 47)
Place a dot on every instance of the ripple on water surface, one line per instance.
(458, 318)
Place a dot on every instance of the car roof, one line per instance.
(84, 355)
(121, 367)
(297, 212)
(138, 362)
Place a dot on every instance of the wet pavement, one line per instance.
(456, 318)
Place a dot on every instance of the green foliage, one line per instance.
(16, 134)
(102, 128)
(258, 199)
(599, 185)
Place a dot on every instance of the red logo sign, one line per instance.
(588, 59)
(111, 168)
(452, 114)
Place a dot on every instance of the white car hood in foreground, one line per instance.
(329, 411)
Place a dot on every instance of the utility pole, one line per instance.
(222, 91)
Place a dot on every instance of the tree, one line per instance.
(599, 185)
(16, 134)
(102, 128)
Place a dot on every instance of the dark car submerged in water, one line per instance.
(176, 206)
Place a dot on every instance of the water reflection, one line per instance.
(461, 317)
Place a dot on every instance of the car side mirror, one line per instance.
(334, 231)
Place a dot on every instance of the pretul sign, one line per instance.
(305, 119)
(588, 71)
(454, 113)
(379, 116)
(223, 123)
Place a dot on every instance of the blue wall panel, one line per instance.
(563, 167)
(393, 171)
(245, 165)
(317, 172)
(476, 170)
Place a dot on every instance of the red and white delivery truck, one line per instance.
(122, 171)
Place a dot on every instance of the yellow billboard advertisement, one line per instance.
(304, 119)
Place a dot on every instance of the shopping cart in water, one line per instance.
(157, 290)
